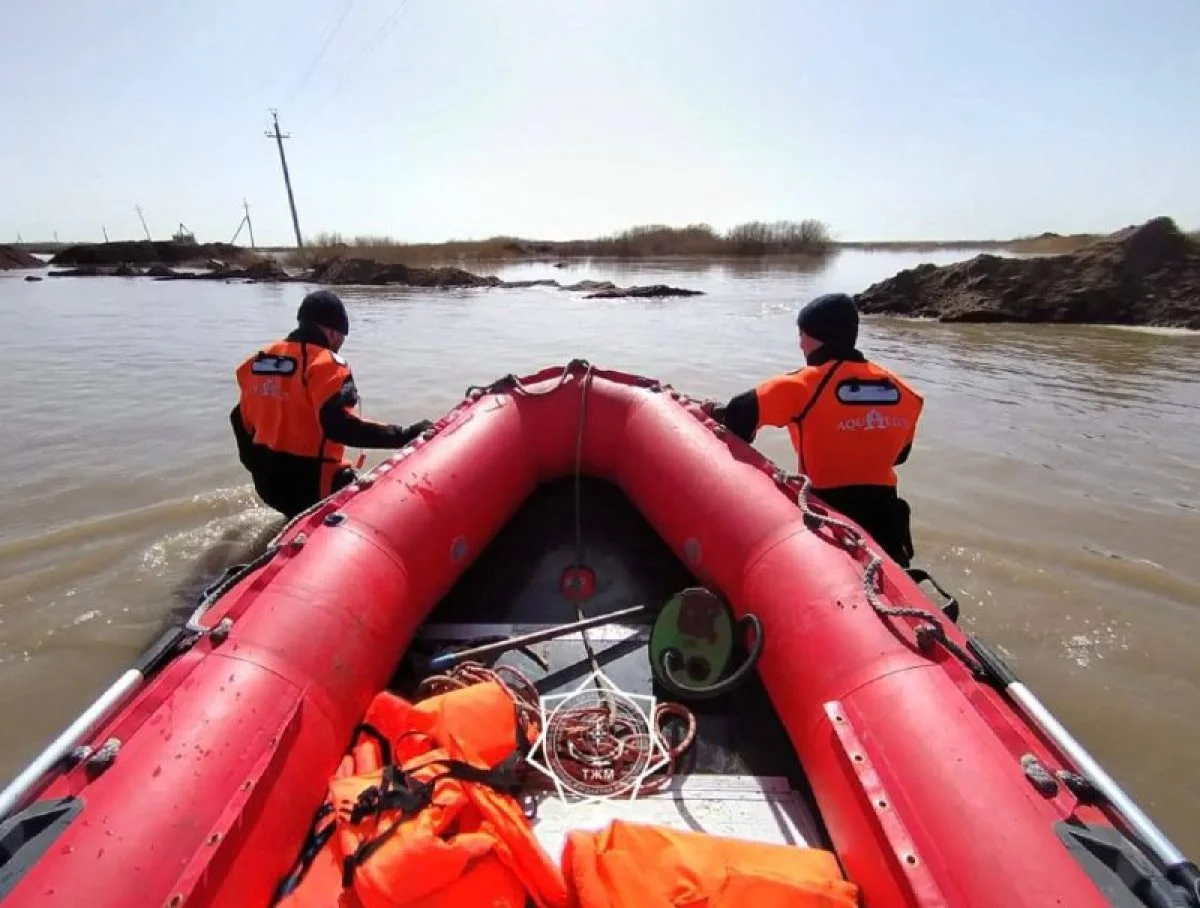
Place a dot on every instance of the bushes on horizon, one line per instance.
(762, 238)
(808, 237)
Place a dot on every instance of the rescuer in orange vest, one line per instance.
(295, 415)
(851, 422)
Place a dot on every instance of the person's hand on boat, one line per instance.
(416, 430)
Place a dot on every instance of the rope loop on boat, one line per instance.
(855, 541)
(511, 382)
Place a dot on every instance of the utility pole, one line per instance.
(104, 230)
(244, 222)
(138, 208)
(249, 224)
(287, 180)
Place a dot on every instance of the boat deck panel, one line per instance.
(743, 807)
(740, 777)
(738, 735)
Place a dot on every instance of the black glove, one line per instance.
(412, 432)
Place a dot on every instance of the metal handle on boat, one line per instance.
(672, 660)
(505, 644)
(12, 798)
(1178, 869)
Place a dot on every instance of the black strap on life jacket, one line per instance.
(319, 834)
(370, 731)
(397, 790)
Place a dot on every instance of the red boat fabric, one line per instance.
(915, 765)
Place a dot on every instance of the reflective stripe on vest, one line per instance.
(854, 426)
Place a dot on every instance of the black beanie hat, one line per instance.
(324, 308)
(832, 319)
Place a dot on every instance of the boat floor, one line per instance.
(740, 777)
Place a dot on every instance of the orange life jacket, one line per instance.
(848, 420)
(630, 865)
(423, 815)
(283, 388)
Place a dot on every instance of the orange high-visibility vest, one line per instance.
(283, 388)
(423, 816)
(848, 420)
(631, 865)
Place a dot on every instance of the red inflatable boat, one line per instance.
(861, 721)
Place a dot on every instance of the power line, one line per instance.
(312, 67)
(365, 54)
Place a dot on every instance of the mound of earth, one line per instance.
(592, 286)
(11, 258)
(1142, 275)
(365, 271)
(344, 271)
(260, 272)
(649, 291)
(146, 252)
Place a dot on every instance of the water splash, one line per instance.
(215, 539)
(1094, 645)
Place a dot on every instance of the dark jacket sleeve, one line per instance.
(343, 426)
(740, 415)
(244, 440)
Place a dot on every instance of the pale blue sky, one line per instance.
(567, 118)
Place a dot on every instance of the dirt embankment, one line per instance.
(350, 271)
(1142, 275)
(12, 258)
(338, 271)
(146, 252)
(256, 273)
(341, 271)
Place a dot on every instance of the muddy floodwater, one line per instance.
(1054, 482)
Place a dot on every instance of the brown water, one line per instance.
(1054, 483)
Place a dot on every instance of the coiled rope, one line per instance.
(584, 735)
